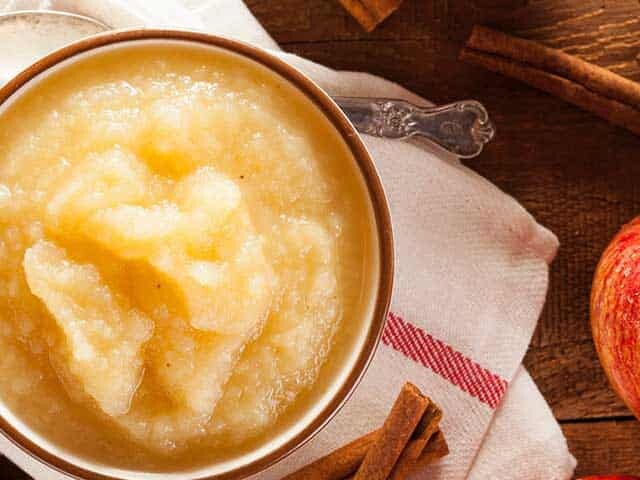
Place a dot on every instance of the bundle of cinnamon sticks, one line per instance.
(409, 439)
(584, 84)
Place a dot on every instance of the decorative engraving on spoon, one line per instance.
(462, 128)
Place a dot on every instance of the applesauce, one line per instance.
(183, 237)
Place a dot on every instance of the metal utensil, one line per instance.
(462, 128)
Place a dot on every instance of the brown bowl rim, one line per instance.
(376, 193)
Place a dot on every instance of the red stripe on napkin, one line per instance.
(419, 346)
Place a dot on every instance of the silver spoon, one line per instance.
(462, 128)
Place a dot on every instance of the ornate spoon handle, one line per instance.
(462, 128)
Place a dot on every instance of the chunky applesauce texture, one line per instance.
(182, 234)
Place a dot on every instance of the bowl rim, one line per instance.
(376, 194)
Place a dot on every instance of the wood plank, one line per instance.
(572, 381)
(605, 447)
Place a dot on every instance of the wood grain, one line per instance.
(572, 381)
(609, 446)
(576, 174)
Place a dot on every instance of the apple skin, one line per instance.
(615, 314)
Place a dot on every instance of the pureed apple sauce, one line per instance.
(181, 236)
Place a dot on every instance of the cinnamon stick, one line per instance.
(435, 449)
(417, 449)
(396, 431)
(339, 464)
(369, 13)
(581, 83)
(424, 432)
(595, 78)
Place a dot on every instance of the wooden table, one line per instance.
(579, 176)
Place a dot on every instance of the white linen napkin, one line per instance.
(471, 279)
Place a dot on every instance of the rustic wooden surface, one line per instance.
(576, 174)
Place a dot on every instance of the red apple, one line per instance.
(615, 313)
